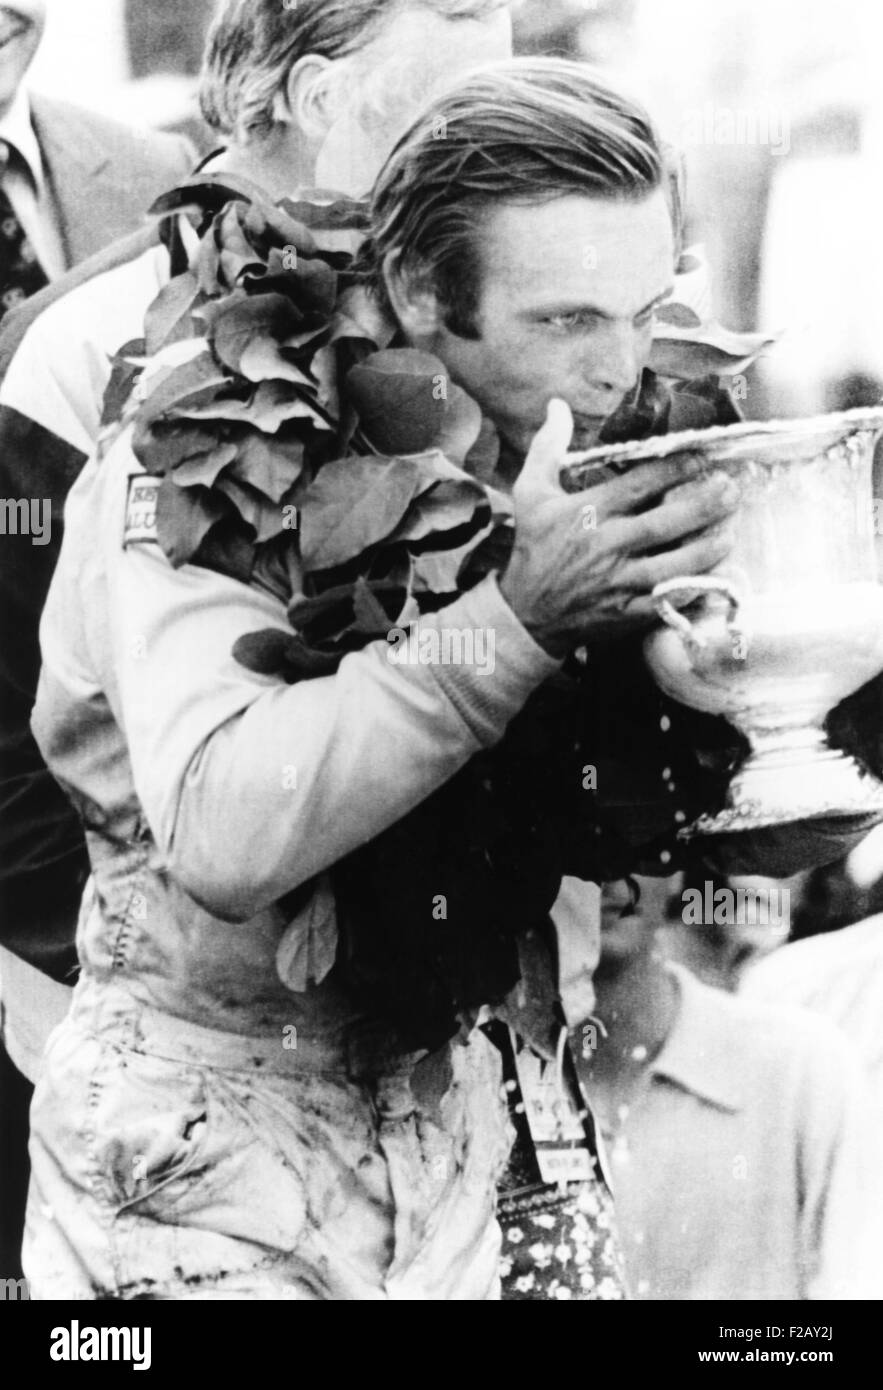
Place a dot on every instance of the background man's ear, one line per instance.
(413, 299)
(304, 100)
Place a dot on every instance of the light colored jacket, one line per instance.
(208, 792)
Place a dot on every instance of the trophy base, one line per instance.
(783, 782)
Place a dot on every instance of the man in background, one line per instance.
(315, 94)
(839, 975)
(741, 1145)
(71, 182)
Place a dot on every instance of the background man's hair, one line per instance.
(253, 45)
(528, 130)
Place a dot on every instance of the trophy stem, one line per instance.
(792, 774)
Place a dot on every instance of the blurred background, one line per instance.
(777, 105)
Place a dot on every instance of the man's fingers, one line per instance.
(548, 451)
(683, 513)
(646, 481)
(697, 557)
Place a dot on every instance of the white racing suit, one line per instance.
(202, 1125)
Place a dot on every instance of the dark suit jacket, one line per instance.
(104, 178)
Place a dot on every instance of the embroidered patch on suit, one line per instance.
(140, 527)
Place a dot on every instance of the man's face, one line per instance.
(21, 29)
(568, 293)
(412, 58)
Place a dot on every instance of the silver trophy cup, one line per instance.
(793, 620)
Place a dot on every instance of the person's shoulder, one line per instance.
(756, 1029)
(59, 370)
(790, 1069)
(91, 284)
(87, 311)
(853, 949)
(170, 155)
(839, 975)
(138, 275)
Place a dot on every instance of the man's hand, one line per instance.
(581, 571)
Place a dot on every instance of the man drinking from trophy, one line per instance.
(321, 872)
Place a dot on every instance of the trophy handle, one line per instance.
(688, 588)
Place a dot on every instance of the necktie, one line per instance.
(21, 273)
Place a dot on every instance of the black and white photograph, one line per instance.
(441, 665)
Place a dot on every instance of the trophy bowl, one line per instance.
(791, 623)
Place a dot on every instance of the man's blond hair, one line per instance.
(253, 45)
